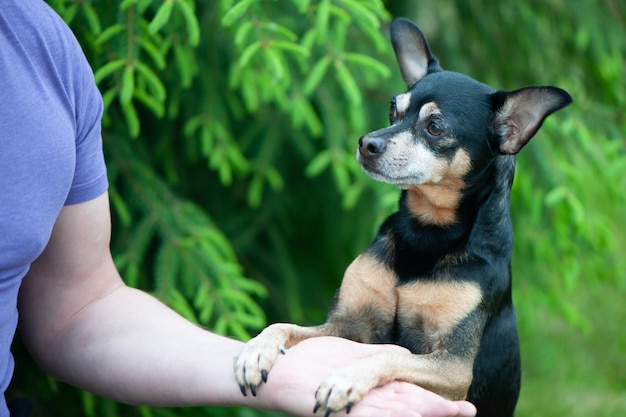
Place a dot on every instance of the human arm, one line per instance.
(86, 327)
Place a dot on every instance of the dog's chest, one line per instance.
(427, 311)
(375, 306)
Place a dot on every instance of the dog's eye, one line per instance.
(393, 111)
(434, 127)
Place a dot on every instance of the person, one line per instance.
(78, 319)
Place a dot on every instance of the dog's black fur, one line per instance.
(436, 279)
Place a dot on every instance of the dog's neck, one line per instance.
(450, 211)
(435, 204)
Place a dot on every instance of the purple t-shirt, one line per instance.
(50, 145)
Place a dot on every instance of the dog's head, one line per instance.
(447, 127)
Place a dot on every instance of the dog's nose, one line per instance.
(369, 146)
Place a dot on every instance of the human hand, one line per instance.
(295, 376)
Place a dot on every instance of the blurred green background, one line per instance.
(230, 129)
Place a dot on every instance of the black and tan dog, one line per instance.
(436, 278)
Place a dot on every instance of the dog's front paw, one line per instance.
(254, 362)
(342, 389)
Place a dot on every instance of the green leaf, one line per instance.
(255, 191)
(342, 177)
(292, 47)
(308, 39)
(252, 287)
(281, 30)
(120, 206)
(179, 303)
(143, 5)
(248, 53)
(161, 17)
(361, 14)
(107, 69)
(128, 84)
(92, 19)
(109, 33)
(205, 310)
(193, 27)
(369, 63)
(206, 141)
(348, 84)
(238, 331)
(156, 55)
(242, 32)
(302, 5)
(235, 12)
(316, 75)
(131, 274)
(274, 178)
(221, 326)
(167, 267)
(107, 99)
(351, 196)
(250, 96)
(237, 158)
(125, 4)
(192, 125)
(156, 106)
(70, 13)
(577, 210)
(321, 20)
(318, 164)
(556, 196)
(225, 173)
(89, 404)
(276, 63)
(185, 65)
(132, 119)
(152, 80)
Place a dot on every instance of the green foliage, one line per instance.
(230, 129)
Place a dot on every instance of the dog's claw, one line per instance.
(253, 390)
(243, 390)
(317, 407)
(264, 375)
(328, 411)
(349, 407)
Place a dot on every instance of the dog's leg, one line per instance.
(258, 355)
(441, 319)
(352, 317)
(439, 372)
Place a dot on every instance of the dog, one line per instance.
(436, 278)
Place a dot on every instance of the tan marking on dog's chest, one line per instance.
(439, 306)
(436, 202)
(366, 280)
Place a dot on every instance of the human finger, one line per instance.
(401, 399)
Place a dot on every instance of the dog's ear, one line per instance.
(517, 115)
(412, 51)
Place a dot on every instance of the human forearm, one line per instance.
(130, 347)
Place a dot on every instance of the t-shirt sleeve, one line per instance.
(90, 179)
